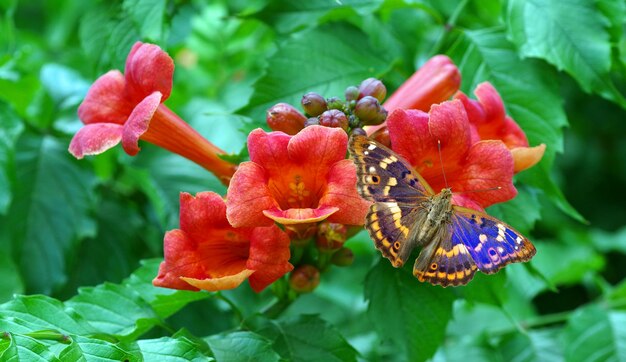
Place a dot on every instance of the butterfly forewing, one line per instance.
(383, 175)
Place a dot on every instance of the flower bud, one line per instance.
(334, 118)
(335, 103)
(367, 109)
(374, 88)
(304, 279)
(382, 136)
(313, 121)
(360, 132)
(284, 117)
(354, 121)
(436, 81)
(313, 104)
(352, 93)
(331, 236)
(342, 257)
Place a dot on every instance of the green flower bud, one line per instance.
(313, 104)
(284, 117)
(334, 118)
(352, 93)
(311, 122)
(304, 279)
(331, 236)
(342, 257)
(368, 110)
(373, 87)
(335, 103)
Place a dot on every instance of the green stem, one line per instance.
(232, 306)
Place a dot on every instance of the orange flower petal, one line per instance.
(300, 216)
(95, 138)
(526, 157)
(138, 122)
(148, 69)
(223, 283)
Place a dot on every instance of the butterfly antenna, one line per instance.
(443, 172)
(480, 190)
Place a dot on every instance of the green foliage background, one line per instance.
(80, 241)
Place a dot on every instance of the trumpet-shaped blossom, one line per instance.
(293, 180)
(488, 117)
(128, 107)
(208, 253)
(469, 164)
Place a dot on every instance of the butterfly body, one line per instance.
(406, 213)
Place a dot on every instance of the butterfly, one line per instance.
(407, 213)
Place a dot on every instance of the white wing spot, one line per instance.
(372, 169)
(371, 147)
(500, 249)
(366, 153)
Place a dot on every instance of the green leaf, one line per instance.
(148, 16)
(595, 334)
(53, 213)
(66, 86)
(39, 312)
(10, 129)
(488, 289)
(114, 309)
(571, 35)
(341, 55)
(164, 302)
(532, 100)
(286, 16)
(11, 281)
(575, 260)
(91, 349)
(402, 308)
(24, 348)
(540, 345)
(615, 12)
(242, 346)
(307, 338)
(172, 350)
(522, 212)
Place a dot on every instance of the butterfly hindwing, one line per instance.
(491, 242)
(389, 225)
(384, 176)
(445, 261)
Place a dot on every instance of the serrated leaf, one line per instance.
(28, 349)
(341, 55)
(39, 312)
(571, 35)
(287, 16)
(171, 350)
(532, 100)
(308, 338)
(595, 334)
(91, 349)
(65, 85)
(10, 128)
(242, 346)
(53, 213)
(401, 308)
(148, 16)
(575, 260)
(114, 309)
(540, 345)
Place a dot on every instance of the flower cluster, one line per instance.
(294, 204)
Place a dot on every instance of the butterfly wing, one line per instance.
(491, 242)
(398, 193)
(445, 261)
(382, 176)
(476, 241)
